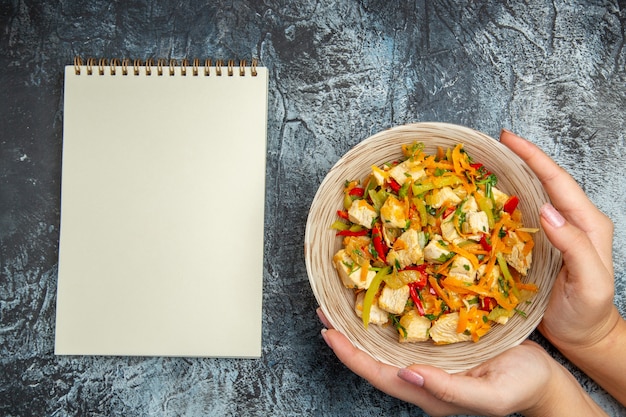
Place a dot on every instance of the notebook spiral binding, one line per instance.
(162, 66)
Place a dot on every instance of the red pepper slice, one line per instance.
(395, 186)
(448, 211)
(356, 191)
(379, 245)
(481, 169)
(485, 243)
(351, 233)
(488, 303)
(413, 287)
(343, 214)
(511, 204)
(423, 275)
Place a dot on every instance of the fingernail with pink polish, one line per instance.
(507, 132)
(411, 377)
(551, 215)
(325, 337)
(322, 317)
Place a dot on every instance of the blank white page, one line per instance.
(162, 211)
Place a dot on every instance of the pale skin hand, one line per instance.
(581, 309)
(540, 386)
(581, 319)
(522, 379)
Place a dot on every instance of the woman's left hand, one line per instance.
(522, 379)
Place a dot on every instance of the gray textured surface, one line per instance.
(552, 71)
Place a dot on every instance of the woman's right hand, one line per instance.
(581, 319)
(582, 297)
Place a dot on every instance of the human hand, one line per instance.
(522, 379)
(580, 311)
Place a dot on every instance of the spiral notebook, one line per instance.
(162, 209)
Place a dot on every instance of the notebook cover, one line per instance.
(162, 212)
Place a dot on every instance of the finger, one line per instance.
(382, 376)
(359, 362)
(378, 374)
(587, 274)
(566, 195)
(323, 319)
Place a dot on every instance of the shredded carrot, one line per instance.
(407, 205)
(470, 256)
(529, 286)
(444, 266)
(441, 292)
(503, 301)
(365, 269)
(509, 241)
(528, 247)
(464, 288)
(456, 159)
(399, 244)
(524, 236)
(431, 163)
(506, 249)
(462, 323)
(431, 304)
(474, 323)
(482, 330)
(475, 249)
